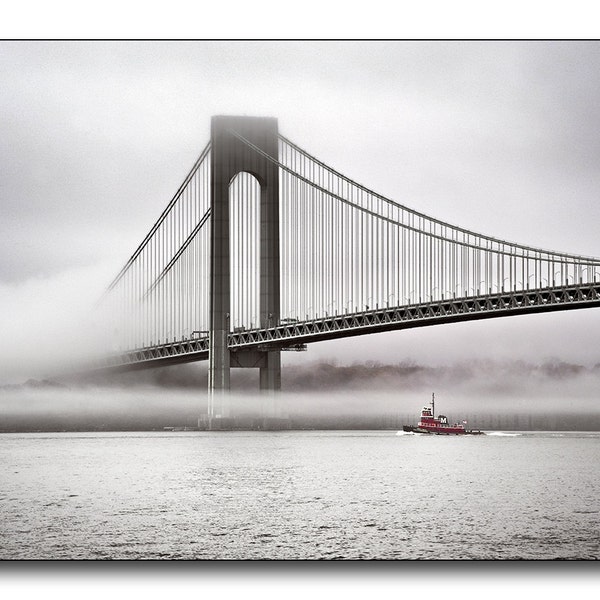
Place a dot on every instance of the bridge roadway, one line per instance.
(291, 335)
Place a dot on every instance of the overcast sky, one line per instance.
(499, 137)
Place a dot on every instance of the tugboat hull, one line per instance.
(413, 429)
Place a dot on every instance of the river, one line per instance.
(299, 495)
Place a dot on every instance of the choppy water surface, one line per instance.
(299, 495)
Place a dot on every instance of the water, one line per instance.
(299, 495)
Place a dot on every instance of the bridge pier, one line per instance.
(270, 374)
(229, 156)
(274, 417)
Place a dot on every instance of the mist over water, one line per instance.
(321, 394)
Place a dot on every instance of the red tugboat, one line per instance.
(439, 426)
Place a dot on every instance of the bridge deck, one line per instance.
(352, 324)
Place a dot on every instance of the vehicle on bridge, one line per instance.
(440, 426)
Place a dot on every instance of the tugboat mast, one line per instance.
(433, 404)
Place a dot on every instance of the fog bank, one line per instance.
(320, 394)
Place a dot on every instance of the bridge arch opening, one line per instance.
(244, 247)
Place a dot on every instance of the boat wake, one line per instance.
(406, 433)
(502, 434)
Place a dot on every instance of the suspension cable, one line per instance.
(570, 257)
(162, 217)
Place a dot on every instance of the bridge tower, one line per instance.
(230, 156)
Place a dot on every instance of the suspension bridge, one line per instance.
(264, 249)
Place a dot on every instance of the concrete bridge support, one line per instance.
(230, 156)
